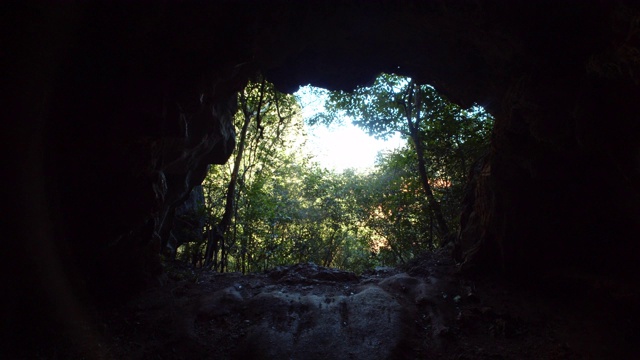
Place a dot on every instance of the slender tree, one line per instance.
(412, 104)
(392, 104)
(221, 228)
(396, 104)
(266, 122)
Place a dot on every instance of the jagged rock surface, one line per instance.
(188, 222)
(424, 311)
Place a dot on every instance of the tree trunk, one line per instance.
(243, 252)
(214, 241)
(224, 223)
(433, 203)
(414, 131)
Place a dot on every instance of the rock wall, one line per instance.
(560, 189)
(188, 223)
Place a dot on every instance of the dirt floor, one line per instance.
(431, 312)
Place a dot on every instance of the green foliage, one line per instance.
(445, 140)
(288, 209)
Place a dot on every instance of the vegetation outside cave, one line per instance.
(274, 204)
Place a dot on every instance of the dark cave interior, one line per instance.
(99, 159)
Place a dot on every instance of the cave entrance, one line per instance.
(280, 200)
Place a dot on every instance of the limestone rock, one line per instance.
(188, 223)
(366, 325)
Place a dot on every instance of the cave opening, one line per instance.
(120, 108)
(379, 214)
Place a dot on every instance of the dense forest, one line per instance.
(273, 204)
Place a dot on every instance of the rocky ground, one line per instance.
(422, 311)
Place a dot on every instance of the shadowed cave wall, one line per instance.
(119, 109)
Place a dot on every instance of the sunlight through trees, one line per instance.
(273, 204)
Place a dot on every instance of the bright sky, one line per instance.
(341, 146)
